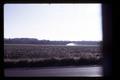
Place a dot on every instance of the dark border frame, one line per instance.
(107, 38)
(106, 26)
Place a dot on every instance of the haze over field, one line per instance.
(73, 22)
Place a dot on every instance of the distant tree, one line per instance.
(47, 42)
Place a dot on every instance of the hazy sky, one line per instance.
(74, 22)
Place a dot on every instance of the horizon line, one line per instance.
(51, 40)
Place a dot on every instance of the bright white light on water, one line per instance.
(71, 44)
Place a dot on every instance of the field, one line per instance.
(33, 55)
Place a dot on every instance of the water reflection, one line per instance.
(94, 71)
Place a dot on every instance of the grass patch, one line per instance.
(39, 55)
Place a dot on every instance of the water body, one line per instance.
(88, 71)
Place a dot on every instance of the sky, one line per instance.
(73, 22)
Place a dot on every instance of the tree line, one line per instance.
(46, 42)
